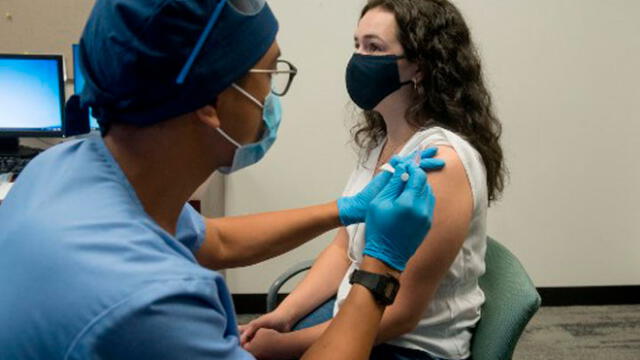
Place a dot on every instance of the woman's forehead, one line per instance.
(377, 22)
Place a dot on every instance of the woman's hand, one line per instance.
(274, 320)
(353, 209)
(268, 344)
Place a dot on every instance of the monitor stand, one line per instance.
(10, 146)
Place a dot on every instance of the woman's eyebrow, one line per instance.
(370, 37)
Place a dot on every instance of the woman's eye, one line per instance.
(369, 47)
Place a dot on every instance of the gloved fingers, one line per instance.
(415, 156)
(395, 160)
(425, 189)
(428, 202)
(396, 185)
(391, 165)
(421, 154)
(379, 181)
(428, 152)
(423, 157)
(409, 158)
(417, 180)
(431, 199)
(414, 194)
(432, 164)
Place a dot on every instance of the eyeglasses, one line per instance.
(282, 76)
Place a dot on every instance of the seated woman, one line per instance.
(417, 76)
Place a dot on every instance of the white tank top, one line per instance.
(444, 330)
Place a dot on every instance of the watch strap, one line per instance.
(383, 287)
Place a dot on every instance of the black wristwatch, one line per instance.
(383, 287)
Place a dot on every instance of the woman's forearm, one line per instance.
(352, 333)
(390, 327)
(246, 240)
(321, 282)
(298, 342)
(395, 322)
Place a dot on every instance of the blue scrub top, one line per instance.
(86, 273)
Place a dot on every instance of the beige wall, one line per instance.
(565, 79)
(42, 26)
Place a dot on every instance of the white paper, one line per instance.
(5, 186)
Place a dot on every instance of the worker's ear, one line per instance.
(208, 115)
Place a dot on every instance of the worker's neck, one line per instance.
(164, 168)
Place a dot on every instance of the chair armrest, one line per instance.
(272, 295)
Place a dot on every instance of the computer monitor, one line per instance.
(78, 83)
(31, 98)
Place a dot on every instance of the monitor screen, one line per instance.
(78, 83)
(31, 95)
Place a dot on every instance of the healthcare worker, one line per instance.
(101, 258)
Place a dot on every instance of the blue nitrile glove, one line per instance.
(400, 217)
(353, 209)
(427, 163)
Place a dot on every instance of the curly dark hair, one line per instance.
(452, 93)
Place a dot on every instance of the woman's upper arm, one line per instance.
(341, 240)
(432, 260)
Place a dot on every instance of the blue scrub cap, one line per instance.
(150, 60)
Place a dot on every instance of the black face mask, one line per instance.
(370, 79)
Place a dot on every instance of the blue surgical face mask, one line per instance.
(247, 155)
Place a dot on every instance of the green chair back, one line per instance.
(511, 301)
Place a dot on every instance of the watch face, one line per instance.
(383, 287)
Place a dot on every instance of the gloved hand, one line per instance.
(399, 218)
(353, 209)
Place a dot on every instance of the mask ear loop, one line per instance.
(253, 99)
(224, 134)
(246, 93)
(413, 81)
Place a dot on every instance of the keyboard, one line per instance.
(12, 164)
